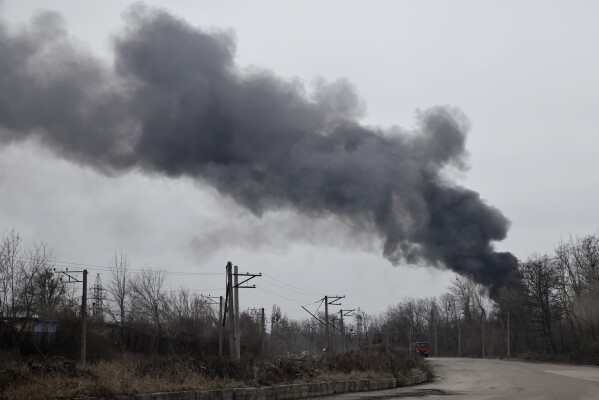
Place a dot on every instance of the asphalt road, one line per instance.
(463, 378)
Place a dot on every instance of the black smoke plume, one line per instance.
(176, 103)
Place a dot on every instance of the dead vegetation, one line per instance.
(58, 378)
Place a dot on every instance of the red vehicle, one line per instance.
(421, 348)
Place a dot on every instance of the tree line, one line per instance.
(553, 309)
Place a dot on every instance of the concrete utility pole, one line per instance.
(83, 349)
(236, 350)
(211, 300)
(482, 336)
(263, 333)
(327, 331)
(83, 334)
(344, 313)
(508, 332)
(457, 315)
(459, 339)
(220, 326)
(330, 300)
(258, 315)
(434, 319)
(435, 338)
(342, 329)
(237, 333)
(410, 343)
(232, 332)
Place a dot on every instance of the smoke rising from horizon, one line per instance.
(175, 103)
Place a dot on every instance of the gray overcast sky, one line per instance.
(525, 74)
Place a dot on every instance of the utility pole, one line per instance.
(83, 351)
(326, 322)
(344, 313)
(482, 334)
(435, 338)
(236, 287)
(212, 301)
(232, 332)
(508, 332)
(317, 319)
(258, 316)
(459, 334)
(330, 300)
(83, 333)
(220, 326)
(237, 333)
(342, 329)
(483, 319)
(410, 343)
(263, 336)
(459, 339)
(434, 318)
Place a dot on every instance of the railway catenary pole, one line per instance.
(232, 337)
(83, 344)
(326, 322)
(237, 333)
(71, 278)
(508, 332)
(220, 326)
(235, 321)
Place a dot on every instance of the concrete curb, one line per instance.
(281, 392)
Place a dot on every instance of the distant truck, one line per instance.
(421, 348)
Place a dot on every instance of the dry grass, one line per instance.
(53, 378)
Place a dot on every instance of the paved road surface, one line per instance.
(462, 378)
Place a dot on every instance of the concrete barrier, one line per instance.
(280, 392)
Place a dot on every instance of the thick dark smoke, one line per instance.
(175, 103)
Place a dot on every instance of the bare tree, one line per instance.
(119, 287)
(149, 295)
(30, 296)
(49, 290)
(11, 261)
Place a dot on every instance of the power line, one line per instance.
(193, 290)
(289, 289)
(283, 297)
(108, 269)
(292, 286)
